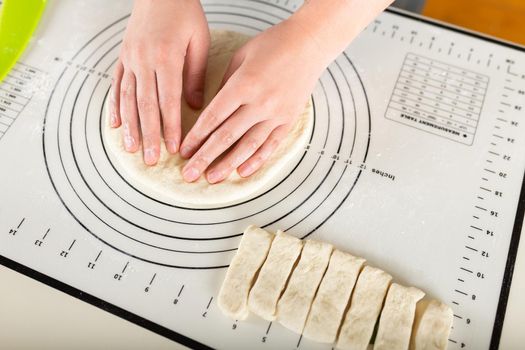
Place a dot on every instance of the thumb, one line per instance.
(195, 71)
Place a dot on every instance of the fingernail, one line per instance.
(149, 156)
(214, 176)
(129, 142)
(245, 171)
(185, 151)
(171, 146)
(191, 174)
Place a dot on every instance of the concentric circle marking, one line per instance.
(141, 226)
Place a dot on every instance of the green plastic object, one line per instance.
(18, 20)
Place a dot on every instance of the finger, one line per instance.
(169, 83)
(223, 105)
(149, 115)
(217, 143)
(128, 112)
(195, 71)
(264, 152)
(243, 150)
(114, 97)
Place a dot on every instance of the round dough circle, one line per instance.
(164, 180)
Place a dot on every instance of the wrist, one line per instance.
(331, 25)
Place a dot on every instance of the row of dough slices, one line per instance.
(328, 295)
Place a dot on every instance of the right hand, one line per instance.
(166, 42)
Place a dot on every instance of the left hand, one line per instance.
(264, 90)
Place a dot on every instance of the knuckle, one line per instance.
(257, 160)
(252, 144)
(150, 140)
(224, 137)
(146, 105)
(164, 54)
(202, 161)
(169, 103)
(274, 142)
(170, 131)
(127, 90)
(212, 118)
(267, 103)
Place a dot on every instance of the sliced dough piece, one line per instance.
(233, 296)
(332, 297)
(432, 325)
(397, 317)
(365, 306)
(294, 305)
(274, 273)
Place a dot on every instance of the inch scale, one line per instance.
(420, 156)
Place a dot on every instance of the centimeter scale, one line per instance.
(415, 162)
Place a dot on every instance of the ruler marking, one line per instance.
(464, 269)
(471, 237)
(473, 249)
(460, 291)
(98, 255)
(153, 278)
(125, 267)
(180, 291)
(458, 316)
(455, 302)
(45, 234)
(299, 342)
(476, 228)
(209, 303)
(21, 222)
(268, 329)
(489, 170)
(480, 208)
(494, 153)
(498, 136)
(72, 244)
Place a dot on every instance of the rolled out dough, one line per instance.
(397, 317)
(365, 306)
(432, 325)
(253, 249)
(294, 305)
(164, 180)
(332, 297)
(274, 273)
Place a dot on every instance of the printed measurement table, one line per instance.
(415, 162)
(15, 94)
(439, 98)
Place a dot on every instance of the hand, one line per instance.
(164, 41)
(264, 90)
